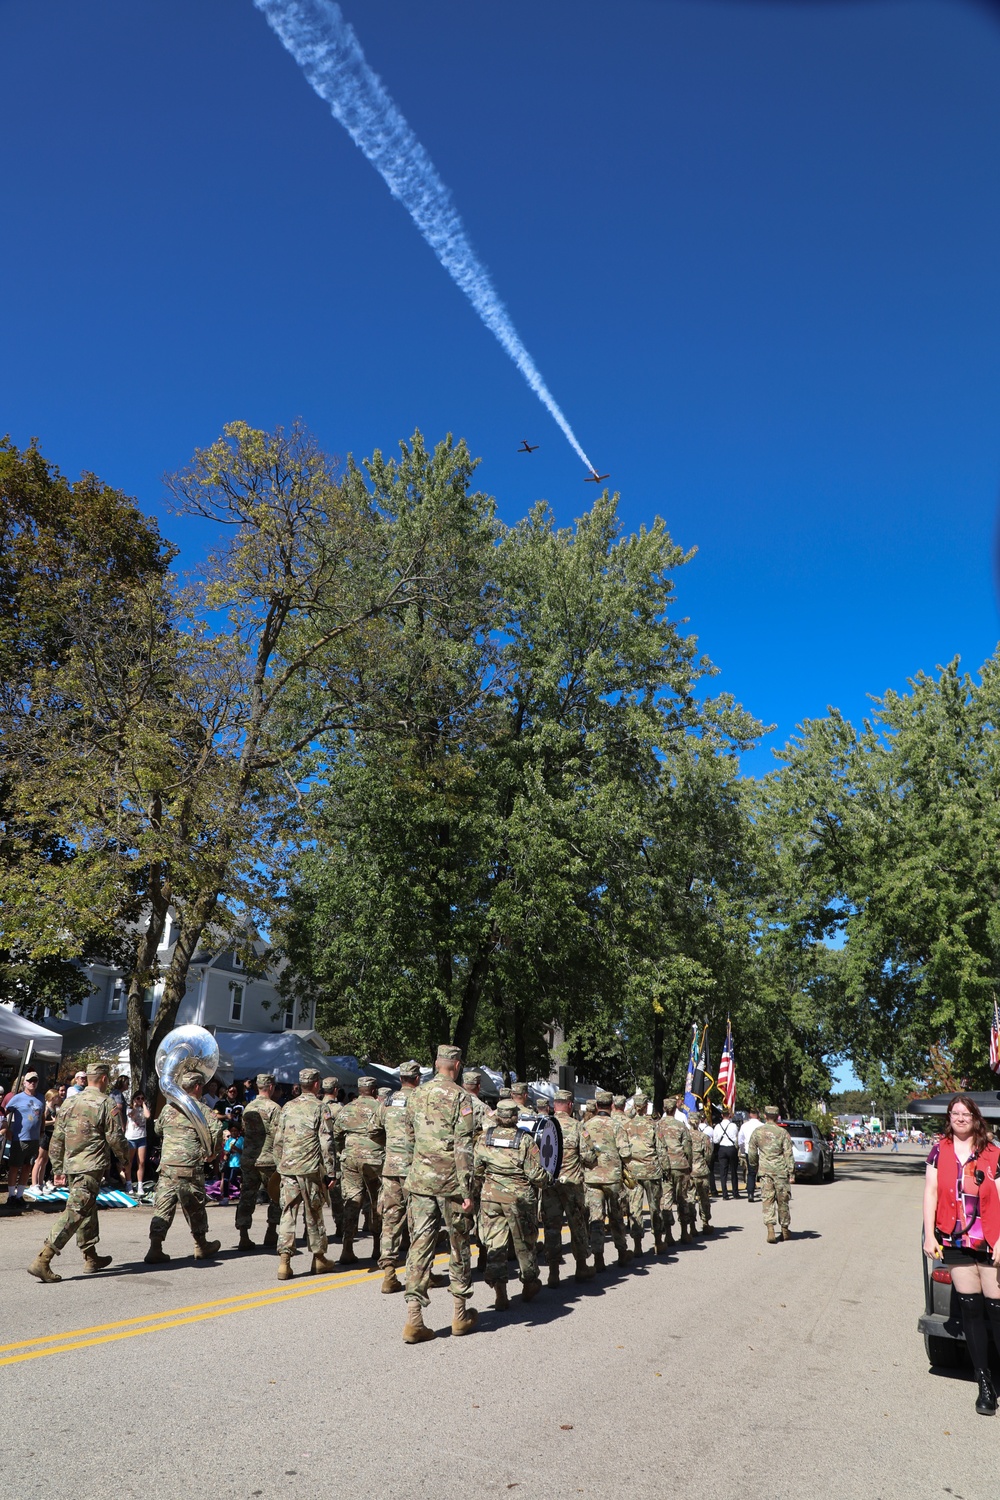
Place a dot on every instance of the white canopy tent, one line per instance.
(282, 1053)
(16, 1033)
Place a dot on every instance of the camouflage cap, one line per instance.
(564, 1096)
(507, 1109)
(367, 1083)
(449, 1054)
(670, 1101)
(471, 1077)
(639, 1099)
(519, 1090)
(543, 1104)
(619, 1101)
(505, 1094)
(185, 1078)
(409, 1069)
(94, 1070)
(771, 1111)
(603, 1096)
(308, 1076)
(330, 1084)
(266, 1080)
(384, 1092)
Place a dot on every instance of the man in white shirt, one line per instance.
(680, 1114)
(726, 1136)
(746, 1131)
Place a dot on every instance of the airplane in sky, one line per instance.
(594, 478)
(526, 447)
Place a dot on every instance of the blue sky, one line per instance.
(754, 249)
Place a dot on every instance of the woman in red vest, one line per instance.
(962, 1229)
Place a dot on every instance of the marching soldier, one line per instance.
(439, 1188)
(543, 1108)
(258, 1167)
(673, 1144)
(87, 1133)
(472, 1083)
(181, 1176)
(771, 1156)
(644, 1165)
(359, 1137)
(508, 1168)
(566, 1194)
(701, 1172)
(398, 1156)
(603, 1181)
(520, 1096)
(331, 1108)
(304, 1153)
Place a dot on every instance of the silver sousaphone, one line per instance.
(192, 1049)
(548, 1138)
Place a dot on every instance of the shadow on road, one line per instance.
(860, 1168)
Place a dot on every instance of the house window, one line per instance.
(290, 1017)
(237, 961)
(117, 1002)
(236, 1002)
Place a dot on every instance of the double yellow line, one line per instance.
(176, 1317)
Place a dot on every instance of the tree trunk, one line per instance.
(659, 1082)
(471, 995)
(195, 919)
(142, 975)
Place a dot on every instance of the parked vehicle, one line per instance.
(813, 1152)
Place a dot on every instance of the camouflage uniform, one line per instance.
(441, 1118)
(88, 1131)
(359, 1138)
(331, 1108)
(770, 1154)
(304, 1153)
(673, 1146)
(482, 1117)
(508, 1169)
(701, 1172)
(644, 1165)
(566, 1195)
(603, 1181)
(181, 1175)
(398, 1156)
(258, 1166)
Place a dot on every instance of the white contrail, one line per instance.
(328, 52)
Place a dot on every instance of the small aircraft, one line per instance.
(594, 478)
(526, 447)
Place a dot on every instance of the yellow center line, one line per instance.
(200, 1312)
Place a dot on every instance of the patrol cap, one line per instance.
(384, 1092)
(507, 1109)
(409, 1069)
(564, 1096)
(266, 1080)
(639, 1099)
(504, 1094)
(771, 1111)
(308, 1076)
(449, 1054)
(519, 1091)
(619, 1101)
(471, 1077)
(330, 1084)
(185, 1078)
(543, 1104)
(367, 1083)
(670, 1101)
(603, 1096)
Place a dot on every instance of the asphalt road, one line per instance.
(734, 1368)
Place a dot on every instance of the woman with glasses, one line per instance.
(962, 1230)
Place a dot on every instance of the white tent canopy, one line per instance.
(16, 1033)
(282, 1053)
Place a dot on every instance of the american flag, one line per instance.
(995, 1038)
(727, 1063)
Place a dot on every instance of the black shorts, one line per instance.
(957, 1255)
(22, 1153)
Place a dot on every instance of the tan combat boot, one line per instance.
(206, 1249)
(584, 1272)
(502, 1301)
(786, 1233)
(668, 1238)
(391, 1282)
(637, 1244)
(625, 1256)
(686, 1234)
(271, 1237)
(416, 1331)
(246, 1243)
(598, 1262)
(771, 1237)
(321, 1266)
(463, 1319)
(658, 1245)
(94, 1262)
(347, 1255)
(554, 1263)
(530, 1290)
(285, 1272)
(155, 1255)
(41, 1266)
